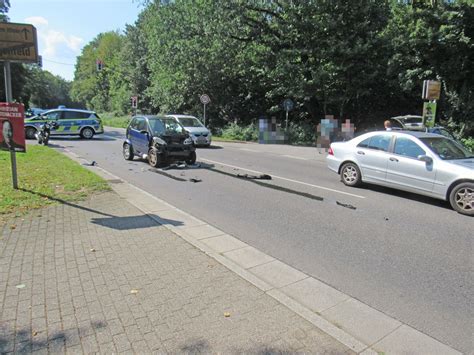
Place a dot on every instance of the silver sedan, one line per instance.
(423, 163)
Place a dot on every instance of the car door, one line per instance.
(137, 136)
(69, 123)
(54, 116)
(405, 171)
(372, 157)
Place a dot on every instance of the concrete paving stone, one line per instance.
(277, 273)
(248, 257)
(406, 340)
(360, 320)
(201, 232)
(121, 342)
(177, 219)
(223, 243)
(314, 294)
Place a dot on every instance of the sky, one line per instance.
(64, 27)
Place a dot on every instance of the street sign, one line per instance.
(18, 42)
(205, 99)
(431, 90)
(288, 105)
(12, 127)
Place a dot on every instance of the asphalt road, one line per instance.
(408, 256)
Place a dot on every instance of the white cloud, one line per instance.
(37, 21)
(53, 43)
(56, 42)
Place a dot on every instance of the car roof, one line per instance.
(417, 134)
(152, 117)
(180, 116)
(69, 109)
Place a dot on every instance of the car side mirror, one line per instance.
(425, 158)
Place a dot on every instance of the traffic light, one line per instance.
(99, 64)
(134, 101)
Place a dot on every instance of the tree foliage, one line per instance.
(363, 60)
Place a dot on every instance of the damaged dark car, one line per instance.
(159, 139)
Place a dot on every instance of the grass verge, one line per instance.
(43, 176)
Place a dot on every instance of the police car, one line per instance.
(70, 122)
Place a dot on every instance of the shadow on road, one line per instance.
(407, 195)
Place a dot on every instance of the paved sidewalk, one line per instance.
(101, 276)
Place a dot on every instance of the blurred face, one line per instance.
(7, 131)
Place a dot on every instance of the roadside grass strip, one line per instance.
(44, 177)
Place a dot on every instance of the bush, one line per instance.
(301, 133)
(247, 133)
(469, 143)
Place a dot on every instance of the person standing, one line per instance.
(388, 125)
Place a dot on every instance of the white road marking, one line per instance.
(293, 157)
(249, 150)
(283, 178)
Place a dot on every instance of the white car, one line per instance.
(424, 163)
(199, 133)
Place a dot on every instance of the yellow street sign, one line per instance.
(18, 42)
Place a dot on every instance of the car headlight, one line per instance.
(188, 141)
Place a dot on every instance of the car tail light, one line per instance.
(330, 151)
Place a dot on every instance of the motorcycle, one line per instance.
(42, 135)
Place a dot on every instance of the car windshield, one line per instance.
(165, 126)
(190, 122)
(412, 120)
(447, 149)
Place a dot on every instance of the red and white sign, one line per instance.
(12, 127)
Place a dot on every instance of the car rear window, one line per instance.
(378, 142)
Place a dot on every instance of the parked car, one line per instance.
(424, 163)
(415, 123)
(34, 111)
(69, 122)
(199, 133)
(160, 139)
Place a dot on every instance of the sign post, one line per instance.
(205, 100)
(18, 43)
(288, 106)
(431, 92)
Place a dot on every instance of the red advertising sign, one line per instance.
(12, 127)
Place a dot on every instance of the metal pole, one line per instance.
(9, 98)
(286, 120)
(204, 114)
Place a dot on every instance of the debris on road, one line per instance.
(226, 314)
(256, 177)
(134, 291)
(20, 286)
(346, 205)
(195, 180)
(93, 163)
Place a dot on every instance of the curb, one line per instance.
(358, 326)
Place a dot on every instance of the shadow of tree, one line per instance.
(27, 342)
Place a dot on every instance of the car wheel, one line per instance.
(191, 159)
(127, 151)
(462, 198)
(30, 133)
(87, 133)
(154, 159)
(350, 174)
